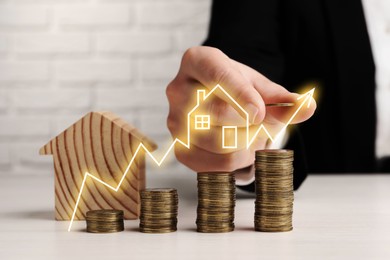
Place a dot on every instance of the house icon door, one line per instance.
(229, 137)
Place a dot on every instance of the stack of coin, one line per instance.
(158, 210)
(216, 201)
(105, 221)
(274, 190)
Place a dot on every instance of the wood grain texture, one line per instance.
(103, 145)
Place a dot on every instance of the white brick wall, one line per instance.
(157, 69)
(3, 43)
(93, 71)
(23, 15)
(60, 59)
(5, 158)
(87, 15)
(24, 127)
(134, 43)
(150, 99)
(171, 14)
(50, 43)
(17, 71)
(3, 100)
(40, 100)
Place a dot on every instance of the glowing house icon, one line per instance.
(200, 120)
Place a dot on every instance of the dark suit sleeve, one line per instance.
(248, 31)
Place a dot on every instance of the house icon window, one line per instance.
(202, 122)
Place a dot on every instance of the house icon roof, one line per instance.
(202, 96)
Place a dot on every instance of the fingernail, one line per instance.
(253, 111)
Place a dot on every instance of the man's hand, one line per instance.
(205, 67)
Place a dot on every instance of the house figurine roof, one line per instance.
(45, 150)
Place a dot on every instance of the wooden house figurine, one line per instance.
(103, 145)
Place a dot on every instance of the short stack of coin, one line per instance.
(105, 221)
(216, 202)
(274, 190)
(159, 209)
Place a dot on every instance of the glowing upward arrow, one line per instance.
(306, 97)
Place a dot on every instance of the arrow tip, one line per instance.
(308, 95)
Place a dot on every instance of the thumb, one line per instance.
(274, 93)
(300, 112)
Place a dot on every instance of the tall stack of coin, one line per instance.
(274, 190)
(159, 209)
(105, 221)
(216, 201)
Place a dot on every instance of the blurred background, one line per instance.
(60, 59)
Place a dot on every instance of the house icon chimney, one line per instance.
(201, 95)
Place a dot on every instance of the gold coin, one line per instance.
(216, 202)
(274, 190)
(104, 221)
(280, 104)
(159, 208)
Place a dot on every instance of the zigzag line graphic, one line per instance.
(306, 97)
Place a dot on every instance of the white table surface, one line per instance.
(335, 217)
